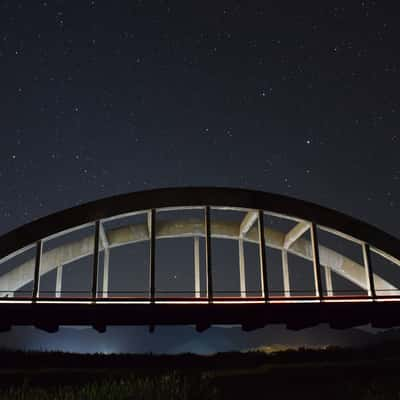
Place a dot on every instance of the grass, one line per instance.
(165, 387)
(175, 385)
(333, 373)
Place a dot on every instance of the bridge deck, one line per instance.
(251, 313)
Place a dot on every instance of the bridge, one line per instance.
(199, 256)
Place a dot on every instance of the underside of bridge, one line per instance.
(49, 316)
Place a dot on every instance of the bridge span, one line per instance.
(199, 256)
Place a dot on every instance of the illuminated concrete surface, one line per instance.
(377, 293)
(331, 260)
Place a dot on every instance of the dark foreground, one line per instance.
(333, 373)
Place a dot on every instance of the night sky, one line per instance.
(299, 98)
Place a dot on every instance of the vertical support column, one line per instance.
(328, 281)
(151, 215)
(197, 266)
(207, 228)
(285, 273)
(263, 262)
(369, 275)
(59, 280)
(106, 272)
(95, 260)
(316, 263)
(242, 269)
(106, 269)
(36, 276)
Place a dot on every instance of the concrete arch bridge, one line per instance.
(199, 256)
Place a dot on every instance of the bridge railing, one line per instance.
(199, 253)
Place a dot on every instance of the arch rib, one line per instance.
(51, 259)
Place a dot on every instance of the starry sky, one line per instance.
(298, 98)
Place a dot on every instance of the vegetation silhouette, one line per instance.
(332, 372)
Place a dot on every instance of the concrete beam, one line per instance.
(59, 281)
(197, 266)
(242, 269)
(103, 237)
(106, 273)
(316, 261)
(263, 261)
(295, 233)
(151, 226)
(248, 222)
(106, 260)
(328, 281)
(285, 273)
(369, 276)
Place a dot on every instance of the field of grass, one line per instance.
(168, 386)
(310, 374)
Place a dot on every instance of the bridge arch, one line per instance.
(301, 233)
